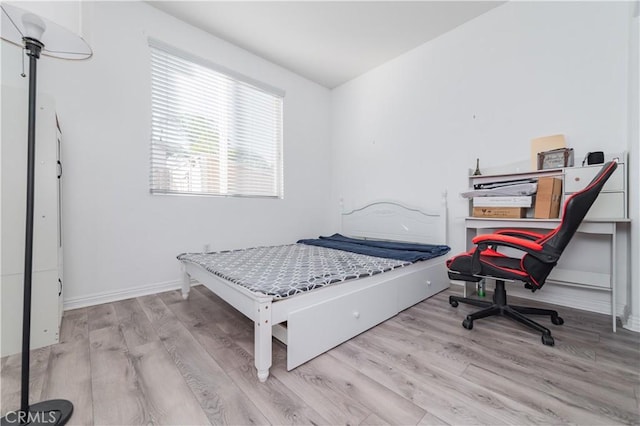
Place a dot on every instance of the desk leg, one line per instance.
(470, 288)
(614, 279)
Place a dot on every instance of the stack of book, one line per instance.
(503, 199)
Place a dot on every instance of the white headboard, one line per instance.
(390, 220)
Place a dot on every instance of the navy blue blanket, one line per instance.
(408, 252)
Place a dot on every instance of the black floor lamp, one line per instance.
(36, 36)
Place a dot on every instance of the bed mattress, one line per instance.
(287, 270)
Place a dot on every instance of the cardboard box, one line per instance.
(509, 201)
(500, 212)
(548, 198)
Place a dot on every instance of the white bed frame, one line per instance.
(322, 319)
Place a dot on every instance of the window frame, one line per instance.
(237, 78)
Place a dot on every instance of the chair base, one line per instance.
(499, 306)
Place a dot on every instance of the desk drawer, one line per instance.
(578, 177)
(608, 205)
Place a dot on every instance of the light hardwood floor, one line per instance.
(161, 360)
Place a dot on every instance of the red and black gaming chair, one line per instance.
(540, 256)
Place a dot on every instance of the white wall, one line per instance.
(117, 237)
(633, 322)
(415, 125)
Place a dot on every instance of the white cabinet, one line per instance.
(46, 312)
(612, 200)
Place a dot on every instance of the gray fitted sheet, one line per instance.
(287, 270)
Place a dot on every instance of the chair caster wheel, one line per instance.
(556, 320)
(453, 303)
(467, 323)
(548, 340)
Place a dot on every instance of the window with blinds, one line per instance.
(213, 132)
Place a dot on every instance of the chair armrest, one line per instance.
(534, 249)
(529, 235)
(507, 240)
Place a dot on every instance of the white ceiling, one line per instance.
(329, 42)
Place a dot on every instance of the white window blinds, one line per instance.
(212, 132)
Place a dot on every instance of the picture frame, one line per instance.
(555, 159)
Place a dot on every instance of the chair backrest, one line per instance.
(575, 209)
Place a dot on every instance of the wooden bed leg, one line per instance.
(186, 284)
(262, 341)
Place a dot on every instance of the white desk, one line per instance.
(607, 282)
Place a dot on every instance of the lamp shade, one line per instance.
(58, 41)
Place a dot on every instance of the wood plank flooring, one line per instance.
(161, 360)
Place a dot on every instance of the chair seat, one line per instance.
(492, 264)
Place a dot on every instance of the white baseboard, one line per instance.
(573, 297)
(632, 324)
(114, 296)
